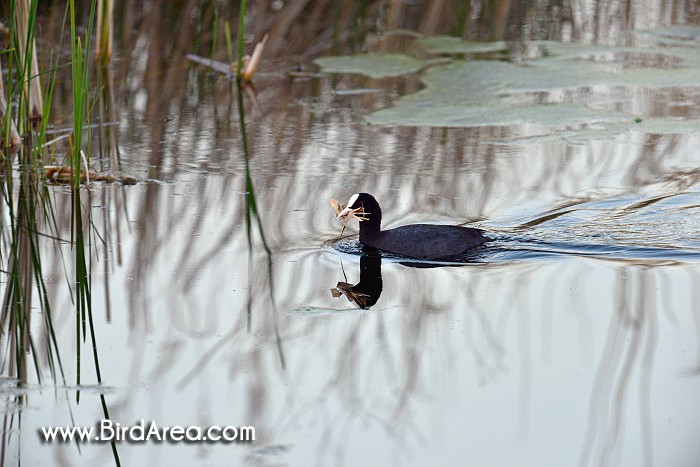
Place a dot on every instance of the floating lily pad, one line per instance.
(551, 115)
(676, 35)
(654, 126)
(357, 91)
(374, 65)
(454, 45)
(568, 85)
(668, 127)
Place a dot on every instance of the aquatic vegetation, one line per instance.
(105, 26)
(450, 45)
(552, 85)
(249, 63)
(552, 90)
(64, 175)
(374, 65)
(30, 209)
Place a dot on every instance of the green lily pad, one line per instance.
(450, 45)
(374, 65)
(568, 85)
(668, 126)
(654, 126)
(676, 35)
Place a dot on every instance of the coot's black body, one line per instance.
(424, 241)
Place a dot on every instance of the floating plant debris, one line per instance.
(61, 175)
(250, 62)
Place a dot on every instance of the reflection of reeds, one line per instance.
(24, 269)
(22, 338)
(252, 211)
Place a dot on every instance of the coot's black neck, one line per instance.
(372, 225)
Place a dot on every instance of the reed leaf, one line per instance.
(241, 39)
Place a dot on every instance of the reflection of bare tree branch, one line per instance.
(631, 342)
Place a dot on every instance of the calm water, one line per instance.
(574, 339)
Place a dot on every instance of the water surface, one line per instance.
(574, 339)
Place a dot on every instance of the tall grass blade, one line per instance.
(81, 88)
(10, 136)
(229, 44)
(25, 14)
(241, 39)
(105, 21)
(252, 213)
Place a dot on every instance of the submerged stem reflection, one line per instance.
(250, 214)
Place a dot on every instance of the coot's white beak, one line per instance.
(347, 211)
(343, 213)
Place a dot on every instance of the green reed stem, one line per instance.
(214, 33)
(23, 260)
(241, 39)
(81, 87)
(229, 46)
(252, 211)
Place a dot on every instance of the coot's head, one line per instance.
(364, 207)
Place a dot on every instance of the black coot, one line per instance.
(425, 241)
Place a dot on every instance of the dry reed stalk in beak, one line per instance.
(357, 213)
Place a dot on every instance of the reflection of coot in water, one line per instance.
(424, 241)
(366, 292)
